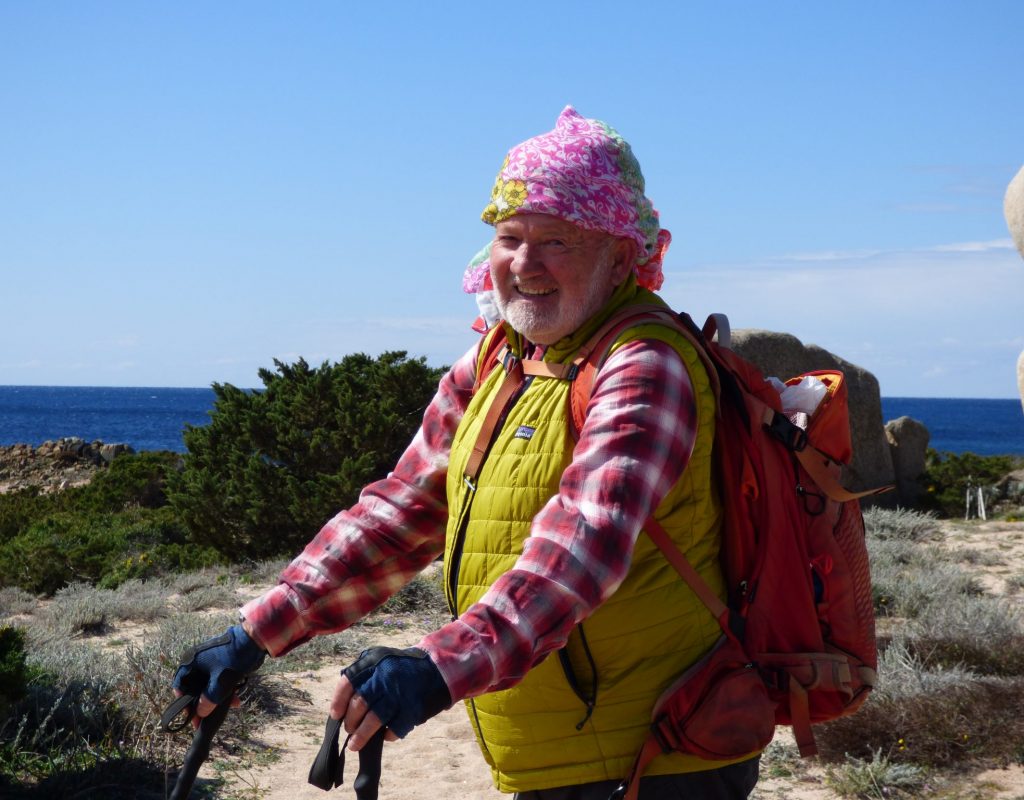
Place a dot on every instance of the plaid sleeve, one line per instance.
(637, 439)
(365, 554)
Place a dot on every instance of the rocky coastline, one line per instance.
(55, 465)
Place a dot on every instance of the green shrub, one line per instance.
(13, 673)
(948, 475)
(104, 548)
(273, 466)
(20, 509)
(133, 479)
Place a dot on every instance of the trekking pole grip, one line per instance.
(199, 750)
(367, 782)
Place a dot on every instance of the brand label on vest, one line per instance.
(525, 432)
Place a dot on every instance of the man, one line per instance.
(567, 622)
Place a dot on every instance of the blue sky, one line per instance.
(190, 190)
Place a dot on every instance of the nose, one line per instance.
(527, 260)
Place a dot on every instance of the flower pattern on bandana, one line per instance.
(583, 172)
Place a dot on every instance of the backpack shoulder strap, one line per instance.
(492, 352)
(596, 351)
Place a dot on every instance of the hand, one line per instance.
(399, 689)
(212, 669)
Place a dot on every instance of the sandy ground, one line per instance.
(440, 759)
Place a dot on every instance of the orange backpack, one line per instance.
(798, 633)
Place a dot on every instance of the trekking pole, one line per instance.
(199, 750)
(367, 782)
(328, 770)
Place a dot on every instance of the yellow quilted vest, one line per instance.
(582, 715)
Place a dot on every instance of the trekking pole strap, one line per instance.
(328, 770)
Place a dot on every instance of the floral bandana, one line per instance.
(585, 173)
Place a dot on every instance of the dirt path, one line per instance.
(441, 760)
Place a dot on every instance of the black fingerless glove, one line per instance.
(402, 687)
(215, 666)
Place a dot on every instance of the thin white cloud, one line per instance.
(972, 247)
(942, 320)
(827, 255)
(428, 324)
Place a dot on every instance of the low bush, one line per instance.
(876, 779)
(934, 716)
(89, 713)
(100, 548)
(983, 634)
(900, 524)
(20, 509)
(15, 600)
(13, 672)
(135, 479)
(907, 578)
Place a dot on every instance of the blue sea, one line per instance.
(145, 418)
(153, 419)
(985, 427)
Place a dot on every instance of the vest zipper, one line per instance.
(480, 730)
(589, 700)
(454, 560)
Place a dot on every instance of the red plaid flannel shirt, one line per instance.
(638, 435)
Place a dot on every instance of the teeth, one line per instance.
(535, 292)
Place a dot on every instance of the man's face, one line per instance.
(551, 276)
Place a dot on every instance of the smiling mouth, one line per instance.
(534, 292)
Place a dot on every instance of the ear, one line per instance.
(623, 254)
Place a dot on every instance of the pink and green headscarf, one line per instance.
(583, 172)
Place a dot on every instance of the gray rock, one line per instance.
(1013, 208)
(108, 452)
(70, 448)
(784, 356)
(908, 444)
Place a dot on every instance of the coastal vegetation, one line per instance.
(102, 586)
(272, 466)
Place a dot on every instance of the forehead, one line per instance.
(541, 224)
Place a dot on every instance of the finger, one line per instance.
(356, 713)
(369, 726)
(342, 695)
(390, 735)
(204, 706)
